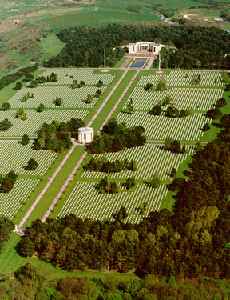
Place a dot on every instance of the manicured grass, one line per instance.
(7, 92)
(9, 258)
(117, 74)
(53, 273)
(50, 46)
(119, 108)
(114, 98)
(168, 201)
(56, 185)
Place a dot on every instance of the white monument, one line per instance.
(145, 48)
(85, 135)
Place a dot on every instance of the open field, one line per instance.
(151, 159)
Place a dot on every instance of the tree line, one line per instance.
(197, 47)
(28, 282)
(106, 166)
(23, 72)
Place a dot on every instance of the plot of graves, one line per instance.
(151, 159)
(15, 156)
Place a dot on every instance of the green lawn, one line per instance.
(114, 98)
(50, 46)
(9, 259)
(7, 92)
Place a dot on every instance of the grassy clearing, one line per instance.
(98, 15)
(50, 46)
(7, 92)
(9, 259)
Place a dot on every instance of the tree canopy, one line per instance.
(197, 47)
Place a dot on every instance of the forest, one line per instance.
(28, 282)
(189, 242)
(196, 47)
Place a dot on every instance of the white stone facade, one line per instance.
(85, 135)
(145, 48)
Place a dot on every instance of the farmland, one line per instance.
(151, 159)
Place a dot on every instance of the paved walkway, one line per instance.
(120, 99)
(71, 176)
(20, 226)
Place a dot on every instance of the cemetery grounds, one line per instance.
(82, 198)
(14, 156)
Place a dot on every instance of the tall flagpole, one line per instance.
(160, 61)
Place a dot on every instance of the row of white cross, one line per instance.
(86, 202)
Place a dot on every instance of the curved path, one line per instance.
(21, 225)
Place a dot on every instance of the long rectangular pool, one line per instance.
(138, 63)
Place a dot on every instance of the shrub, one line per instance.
(154, 182)
(129, 183)
(156, 110)
(41, 107)
(31, 165)
(148, 86)
(21, 114)
(25, 140)
(5, 125)
(57, 101)
(5, 106)
(18, 85)
(161, 85)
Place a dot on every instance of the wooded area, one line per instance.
(197, 47)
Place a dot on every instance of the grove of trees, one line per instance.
(197, 47)
(57, 136)
(115, 137)
(106, 166)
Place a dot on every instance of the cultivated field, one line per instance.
(151, 159)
